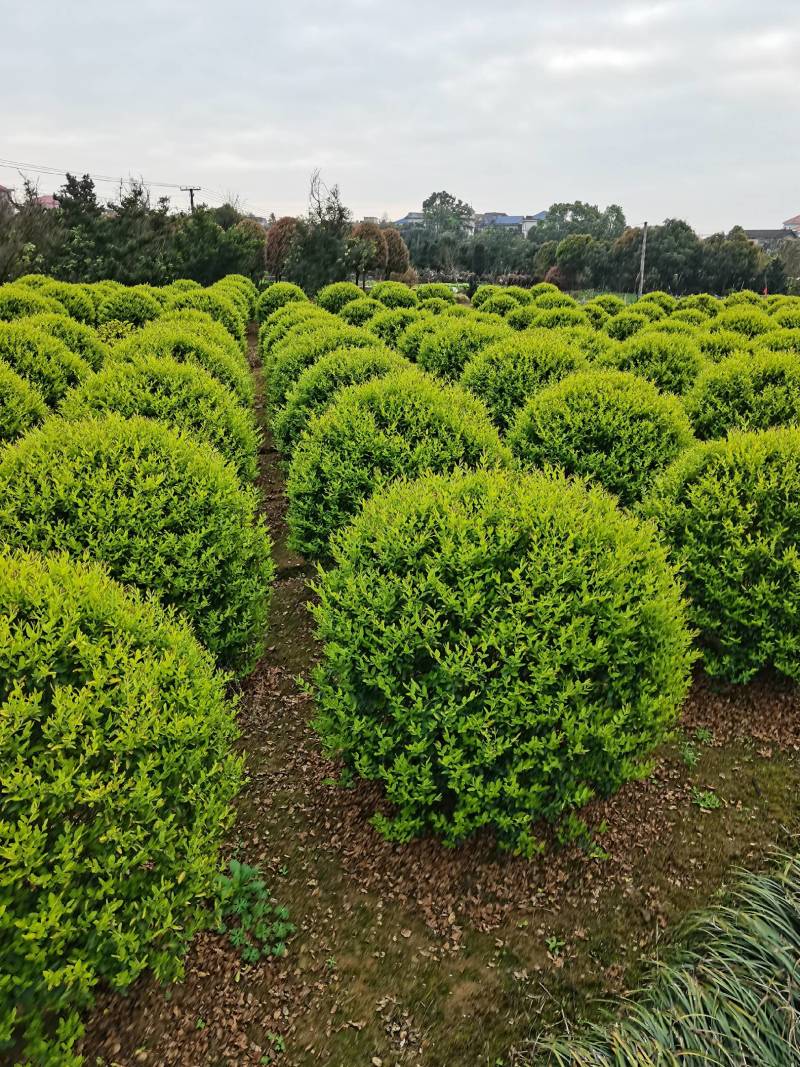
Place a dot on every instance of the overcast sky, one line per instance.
(679, 108)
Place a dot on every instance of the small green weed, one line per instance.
(705, 799)
(255, 926)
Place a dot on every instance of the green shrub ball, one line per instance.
(21, 405)
(42, 360)
(497, 650)
(612, 427)
(393, 427)
(445, 349)
(182, 395)
(333, 297)
(116, 759)
(671, 361)
(163, 512)
(730, 512)
(746, 392)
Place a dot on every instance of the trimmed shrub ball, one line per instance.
(778, 341)
(554, 299)
(435, 291)
(507, 373)
(498, 649)
(719, 344)
(21, 405)
(183, 343)
(710, 305)
(41, 359)
(447, 348)
(334, 297)
(484, 293)
(393, 427)
(663, 300)
(612, 427)
(389, 325)
(626, 323)
(128, 305)
(218, 307)
(182, 395)
(320, 383)
(357, 312)
(17, 301)
(670, 361)
(788, 317)
(207, 329)
(730, 512)
(394, 294)
(80, 339)
(744, 319)
(286, 318)
(290, 357)
(558, 318)
(743, 296)
(410, 340)
(500, 304)
(116, 738)
(74, 298)
(746, 392)
(163, 512)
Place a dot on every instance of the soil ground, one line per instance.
(417, 956)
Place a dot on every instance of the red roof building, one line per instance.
(793, 224)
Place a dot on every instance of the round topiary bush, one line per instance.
(746, 392)
(182, 395)
(719, 344)
(79, 338)
(500, 304)
(692, 316)
(610, 303)
(218, 307)
(706, 303)
(778, 341)
(626, 323)
(745, 319)
(788, 317)
(290, 357)
(116, 739)
(394, 294)
(746, 297)
(128, 305)
(595, 315)
(558, 318)
(612, 427)
(21, 405)
(664, 301)
(389, 325)
(540, 288)
(410, 340)
(435, 291)
(554, 299)
(433, 305)
(74, 298)
(286, 318)
(670, 361)
(507, 373)
(522, 317)
(185, 344)
(484, 293)
(393, 427)
(201, 324)
(445, 350)
(41, 359)
(334, 297)
(498, 649)
(17, 301)
(357, 312)
(319, 384)
(163, 512)
(729, 512)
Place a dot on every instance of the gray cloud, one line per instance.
(669, 107)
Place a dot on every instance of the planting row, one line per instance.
(503, 640)
(135, 575)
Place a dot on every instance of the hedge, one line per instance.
(185, 344)
(507, 373)
(41, 359)
(79, 338)
(21, 405)
(730, 512)
(335, 296)
(116, 758)
(670, 361)
(447, 348)
(277, 295)
(397, 426)
(607, 425)
(746, 392)
(319, 384)
(163, 512)
(182, 395)
(497, 650)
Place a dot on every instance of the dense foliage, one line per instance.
(447, 347)
(41, 359)
(730, 512)
(118, 776)
(497, 650)
(21, 405)
(398, 426)
(163, 512)
(746, 392)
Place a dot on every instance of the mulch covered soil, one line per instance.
(359, 901)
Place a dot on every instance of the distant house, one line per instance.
(413, 218)
(793, 225)
(771, 240)
(521, 224)
(47, 202)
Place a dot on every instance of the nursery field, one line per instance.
(388, 679)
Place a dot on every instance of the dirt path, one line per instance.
(415, 955)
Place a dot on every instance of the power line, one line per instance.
(191, 190)
(59, 172)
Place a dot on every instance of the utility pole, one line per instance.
(641, 261)
(192, 189)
